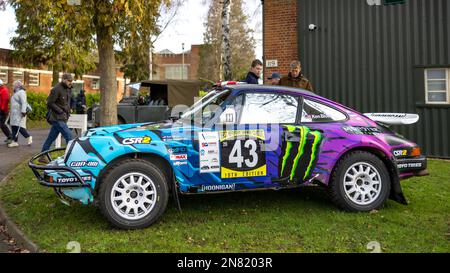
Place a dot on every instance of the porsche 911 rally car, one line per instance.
(236, 138)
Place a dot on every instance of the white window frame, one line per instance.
(447, 82)
(95, 86)
(177, 75)
(16, 72)
(31, 75)
(4, 75)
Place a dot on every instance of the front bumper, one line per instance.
(408, 167)
(72, 178)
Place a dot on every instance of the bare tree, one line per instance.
(226, 47)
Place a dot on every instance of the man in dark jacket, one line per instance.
(80, 103)
(4, 109)
(296, 78)
(58, 104)
(254, 73)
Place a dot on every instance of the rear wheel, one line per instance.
(360, 182)
(133, 194)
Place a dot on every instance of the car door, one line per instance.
(248, 135)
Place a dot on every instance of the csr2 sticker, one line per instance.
(243, 153)
(136, 140)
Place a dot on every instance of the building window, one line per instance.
(17, 76)
(4, 75)
(176, 72)
(33, 79)
(95, 84)
(437, 85)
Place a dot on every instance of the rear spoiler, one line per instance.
(393, 118)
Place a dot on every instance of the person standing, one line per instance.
(58, 105)
(4, 110)
(80, 103)
(255, 72)
(18, 117)
(275, 78)
(296, 78)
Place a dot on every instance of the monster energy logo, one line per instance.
(299, 152)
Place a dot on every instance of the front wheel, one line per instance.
(133, 194)
(360, 182)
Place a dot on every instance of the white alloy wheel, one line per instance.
(362, 183)
(133, 196)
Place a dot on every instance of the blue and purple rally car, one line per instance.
(236, 138)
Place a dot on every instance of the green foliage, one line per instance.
(38, 102)
(92, 98)
(71, 37)
(241, 41)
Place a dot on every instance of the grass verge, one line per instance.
(300, 220)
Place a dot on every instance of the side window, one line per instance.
(316, 112)
(260, 108)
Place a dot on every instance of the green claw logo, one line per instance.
(299, 152)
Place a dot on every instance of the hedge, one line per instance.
(38, 102)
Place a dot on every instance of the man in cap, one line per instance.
(275, 78)
(296, 78)
(58, 105)
(4, 110)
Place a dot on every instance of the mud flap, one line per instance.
(396, 188)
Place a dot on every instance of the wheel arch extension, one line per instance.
(158, 160)
(396, 193)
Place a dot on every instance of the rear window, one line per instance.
(313, 111)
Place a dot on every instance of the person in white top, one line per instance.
(18, 116)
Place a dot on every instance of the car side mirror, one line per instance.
(228, 116)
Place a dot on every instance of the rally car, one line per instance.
(236, 138)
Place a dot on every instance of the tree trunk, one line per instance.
(226, 47)
(55, 75)
(108, 87)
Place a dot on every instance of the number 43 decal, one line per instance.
(242, 153)
(236, 154)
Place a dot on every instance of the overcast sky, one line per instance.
(187, 27)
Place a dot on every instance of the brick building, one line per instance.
(168, 65)
(372, 55)
(39, 79)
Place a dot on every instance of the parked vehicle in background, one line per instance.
(150, 101)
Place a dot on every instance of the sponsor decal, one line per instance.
(209, 152)
(177, 150)
(400, 153)
(180, 163)
(243, 153)
(72, 179)
(84, 164)
(172, 138)
(361, 130)
(409, 165)
(136, 140)
(178, 157)
(229, 187)
(299, 153)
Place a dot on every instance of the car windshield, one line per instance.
(206, 105)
